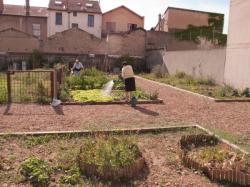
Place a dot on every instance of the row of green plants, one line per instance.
(206, 87)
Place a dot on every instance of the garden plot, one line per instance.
(52, 161)
(87, 88)
(206, 87)
(3, 88)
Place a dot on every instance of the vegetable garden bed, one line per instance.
(51, 160)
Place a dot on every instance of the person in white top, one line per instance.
(77, 67)
(128, 76)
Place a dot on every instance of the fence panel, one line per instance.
(30, 86)
(3, 88)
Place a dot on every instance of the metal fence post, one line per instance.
(9, 86)
(52, 84)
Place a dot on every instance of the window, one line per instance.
(74, 25)
(74, 14)
(111, 26)
(36, 29)
(58, 18)
(132, 26)
(91, 21)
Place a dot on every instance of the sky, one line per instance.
(152, 8)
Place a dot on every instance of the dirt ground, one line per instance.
(178, 108)
(163, 168)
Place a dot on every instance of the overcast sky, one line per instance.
(151, 8)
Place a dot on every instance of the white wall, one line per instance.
(81, 19)
(198, 63)
(237, 69)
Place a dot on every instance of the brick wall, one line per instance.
(12, 40)
(1, 6)
(24, 23)
(132, 43)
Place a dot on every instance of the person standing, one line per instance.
(128, 76)
(77, 67)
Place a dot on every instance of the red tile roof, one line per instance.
(88, 6)
(21, 11)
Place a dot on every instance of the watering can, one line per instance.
(133, 102)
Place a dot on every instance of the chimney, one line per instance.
(27, 7)
(159, 21)
(1, 6)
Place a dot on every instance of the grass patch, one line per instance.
(89, 96)
(36, 140)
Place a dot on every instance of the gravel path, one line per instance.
(179, 107)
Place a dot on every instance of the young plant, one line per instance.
(36, 171)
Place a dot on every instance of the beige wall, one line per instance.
(23, 23)
(132, 43)
(237, 70)
(122, 17)
(15, 41)
(68, 19)
(74, 41)
(198, 63)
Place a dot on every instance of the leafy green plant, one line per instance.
(64, 94)
(72, 177)
(154, 95)
(36, 140)
(36, 59)
(35, 170)
(109, 152)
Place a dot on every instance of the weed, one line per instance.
(158, 71)
(180, 75)
(66, 157)
(36, 140)
(35, 170)
(42, 97)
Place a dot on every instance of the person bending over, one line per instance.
(128, 76)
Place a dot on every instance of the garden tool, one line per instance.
(133, 102)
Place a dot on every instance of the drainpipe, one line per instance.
(27, 7)
(1, 6)
(159, 21)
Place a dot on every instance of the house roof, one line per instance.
(21, 11)
(89, 6)
(16, 30)
(142, 17)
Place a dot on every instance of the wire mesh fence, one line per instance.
(3, 88)
(30, 86)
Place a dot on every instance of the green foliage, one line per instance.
(109, 152)
(89, 96)
(72, 177)
(119, 84)
(42, 97)
(35, 170)
(225, 91)
(89, 79)
(3, 88)
(36, 59)
(154, 95)
(36, 140)
(127, 58)
(210, 32)
(64, 94)
(208, 82)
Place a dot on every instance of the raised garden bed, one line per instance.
(111, 158)
(204, 87)
(87, 90)
(217, 160)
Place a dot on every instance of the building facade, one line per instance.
(177, 19)
(121, 19)
(237, 68)
(83, 14)
(32, 20)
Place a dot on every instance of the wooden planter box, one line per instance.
(235, 176)
(130, 171)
